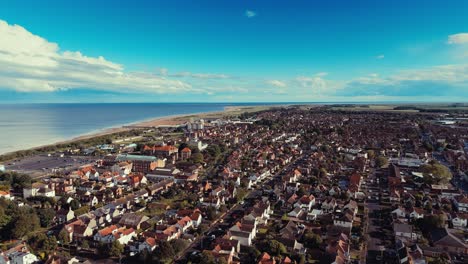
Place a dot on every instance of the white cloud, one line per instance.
(321, 74)
(31, 63)
(200, 75)
(250, 13)
(277, 83)
(380, 57)
(316, 84)
(460, 38)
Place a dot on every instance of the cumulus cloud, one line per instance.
(250, 13)
(200, 75)
(31, 63)
(277, 83)
(460, 38)
(380, 57)
(445, 80)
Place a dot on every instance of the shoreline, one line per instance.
(155, 122)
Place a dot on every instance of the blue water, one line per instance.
(30, 125)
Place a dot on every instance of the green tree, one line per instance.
(197, 158)
(165, 250)
(81, 210)
(116, 249)
(24, 224)
(312, 240)
(207, 258)
(430, 222)
(85, 244)
(74, 204)
(64, 237)
(46, 216)
(274, 247)
(381, 161)
(436, 173)
(179, 245)
(211, 213)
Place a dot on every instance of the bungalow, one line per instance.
(400, 212)
(339, 249)
(79, 229)
(132, 220)
(314, 214)
(244, 232)
(416, 213)
(149, 245)
(184, 224)
(38, 189)
(444, 240)
(6, 195)
(355, 183)
(306, 202)
(113, 233)
(459, 220)
(65, 215)
(461, 203)
(343, 219)
(329, 204)
(18, 254)
(296, 212)
(404, 231)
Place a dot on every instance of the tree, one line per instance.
(211, 213)
(85, 244)
(301, 191)
(24, 224)
(165, 250)
(178, 245)
(81, 210)
(274, 247)
(312, 240)
(435, 172)
(46, 216)
(430, 222)
(74, 204)
(240, 194)
(197, 158)
(381, 161)
(250, 255)
(64, 237)
(371, 154)
(207, 258)
(116, 249)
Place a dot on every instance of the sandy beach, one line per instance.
(173, 120)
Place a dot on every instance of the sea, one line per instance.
(24, 126)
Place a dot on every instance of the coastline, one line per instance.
(170, 120)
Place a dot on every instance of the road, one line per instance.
(378, 223)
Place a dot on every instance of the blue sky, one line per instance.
(233, 51)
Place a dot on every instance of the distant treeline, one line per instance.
(351, 105)
(452, 108)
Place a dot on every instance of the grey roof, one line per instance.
(125, 157)
(402, 228)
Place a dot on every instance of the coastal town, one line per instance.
(296, 184)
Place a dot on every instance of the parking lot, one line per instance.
(47, 164)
